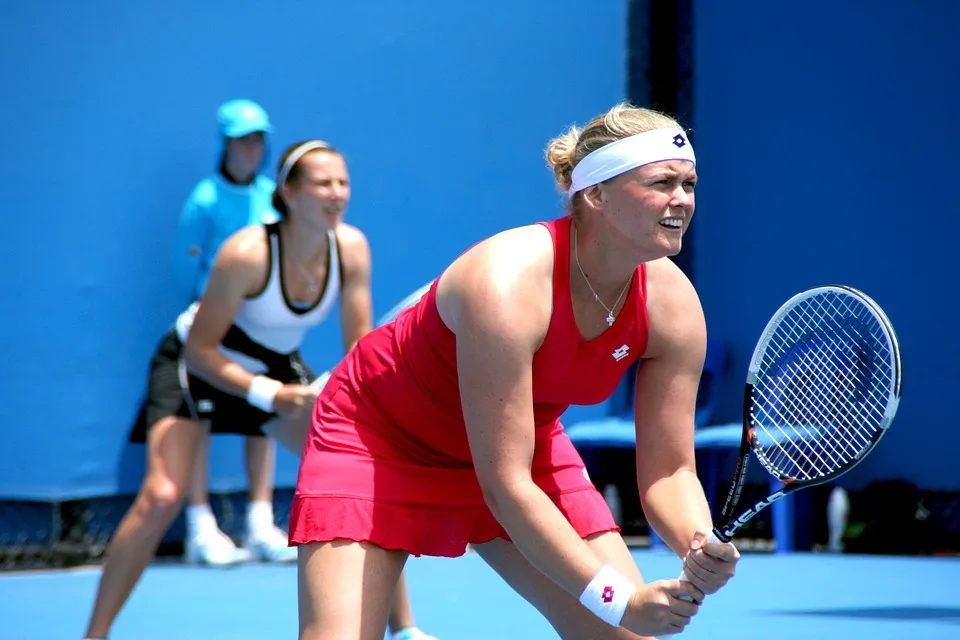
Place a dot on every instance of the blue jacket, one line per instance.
(215, 210)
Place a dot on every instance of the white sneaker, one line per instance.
(270, 546)
(215, 550)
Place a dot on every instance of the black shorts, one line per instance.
(171, 391)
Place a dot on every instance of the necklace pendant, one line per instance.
(610, 319)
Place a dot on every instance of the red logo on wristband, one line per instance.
(607, 596)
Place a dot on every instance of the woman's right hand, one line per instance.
(663, 607)
(295, 400)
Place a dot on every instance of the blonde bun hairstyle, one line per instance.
(622, 121)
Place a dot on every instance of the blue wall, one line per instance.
(442, 109)
(829, 153)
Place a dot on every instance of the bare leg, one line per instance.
(401, 613)
(263, 540)
(199, 478)
(292, 434)
(171, 445)
(345, 589)
(570, 619)
(261, 467)
(201, 524)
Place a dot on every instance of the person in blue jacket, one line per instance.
(235, 196)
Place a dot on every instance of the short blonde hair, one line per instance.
(622, 121)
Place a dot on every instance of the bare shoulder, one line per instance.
(514, 254)
(354, 248)
(511, 264)
(673, 308)
(247, 247)
(242, 261)
(507, 278)
(350, 237)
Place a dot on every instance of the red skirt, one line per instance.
(357, 482)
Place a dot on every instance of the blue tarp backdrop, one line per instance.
(824, 135)
(442, 109)
(827, 146)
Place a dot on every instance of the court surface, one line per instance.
(786, 597)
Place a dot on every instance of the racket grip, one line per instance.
(683, 576)
(710, 538)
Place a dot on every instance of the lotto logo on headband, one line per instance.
(629, 153)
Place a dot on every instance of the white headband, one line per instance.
(629, 153)
(295, 155)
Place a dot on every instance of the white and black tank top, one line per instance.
(269, 328)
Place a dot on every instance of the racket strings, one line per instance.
(859, 327)
(835, 444)
(846, 379)
(803, 443)
(822, 388)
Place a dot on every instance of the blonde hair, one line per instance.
(622, 121)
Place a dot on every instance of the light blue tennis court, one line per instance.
(782, 597)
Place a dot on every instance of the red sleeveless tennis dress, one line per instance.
(387, 460)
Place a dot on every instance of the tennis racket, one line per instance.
(404, 304)
(822, 388)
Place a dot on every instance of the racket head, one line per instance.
(320, 381)
(823, 387)
(411, 299)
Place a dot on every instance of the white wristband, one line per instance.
(262, 391)
(608, 595)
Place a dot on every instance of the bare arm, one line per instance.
(502, 310)
(356, 306)
(240, 270)
(666, 395)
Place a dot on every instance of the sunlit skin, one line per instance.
(635, 207)
(320, 194)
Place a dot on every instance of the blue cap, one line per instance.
(237, 118)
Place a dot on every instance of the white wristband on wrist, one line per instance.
(262, 391)
(608, 595)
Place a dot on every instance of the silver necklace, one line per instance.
(312, 286)
(576, 254)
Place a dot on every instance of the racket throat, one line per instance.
(727, 532)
